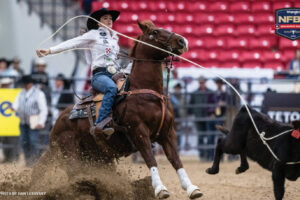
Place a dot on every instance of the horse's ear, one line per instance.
(142, 26)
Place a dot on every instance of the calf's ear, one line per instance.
(296, 124)
(222, 129)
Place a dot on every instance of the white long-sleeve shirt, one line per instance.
(31, 102)
(103, 46)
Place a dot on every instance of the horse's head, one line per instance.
(160, 38)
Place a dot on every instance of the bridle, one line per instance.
(163, 42)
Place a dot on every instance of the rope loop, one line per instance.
(262, 134)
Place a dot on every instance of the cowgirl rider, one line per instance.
(103, 53)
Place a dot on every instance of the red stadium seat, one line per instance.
(276, 65)
(231, 64)
(249, 56)
(288, 44)
(222, 18)
(278, 5)
(162, 18)
(261, 43)
(171, 6)
(136, 5)
(183, 29)
(170, 18)
(271, 56)
(210, 42)
(252, 64)
(245, 30)
(220, 42)
(263, 30)
(237, 43)
(196, 42)
(128, 17)
(243, 18)
(224, 30)
(121, 6)
(297, 5)
(147, 16)
(157, 6)
(193, 6)
(261, 7)
(239, 7)
(218, 7)
(203, 18)
(210, 64)
(191, 55)
(264, 18)
(288, 55)
(208, 56)
(206, 30)
(229, 55)
(131, 30)
(184, 18)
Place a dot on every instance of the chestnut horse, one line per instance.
(140, 114)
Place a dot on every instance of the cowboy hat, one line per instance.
(40, 62)
(26, 79)
(92, 24)
(6, 81)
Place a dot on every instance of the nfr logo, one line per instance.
(5, 109)
(287, 23)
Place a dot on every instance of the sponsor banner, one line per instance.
(283, 107)
(287, 23)
(9, 121)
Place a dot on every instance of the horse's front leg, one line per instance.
(143, 144)
(169, 144)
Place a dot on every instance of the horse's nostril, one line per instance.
(181, 42)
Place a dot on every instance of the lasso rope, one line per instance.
(261, 134)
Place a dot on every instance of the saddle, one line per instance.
(93, 101)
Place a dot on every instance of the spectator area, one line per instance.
(222, 34)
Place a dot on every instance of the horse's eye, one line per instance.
(155, 32)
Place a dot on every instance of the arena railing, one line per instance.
(185, 124)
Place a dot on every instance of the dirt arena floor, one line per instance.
(132, 182)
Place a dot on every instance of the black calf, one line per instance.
(244, 140)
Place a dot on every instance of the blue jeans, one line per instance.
(103, 83)
(29, 140)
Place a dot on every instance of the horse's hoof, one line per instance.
(196, 194)
(212, 171)
(240, 170)
(163, 194)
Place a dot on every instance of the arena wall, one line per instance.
(21, 34)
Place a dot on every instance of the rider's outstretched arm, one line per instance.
(77, 42)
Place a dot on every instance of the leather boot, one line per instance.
(102, 128)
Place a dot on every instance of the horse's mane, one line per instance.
(132, 51)
(150, 26)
